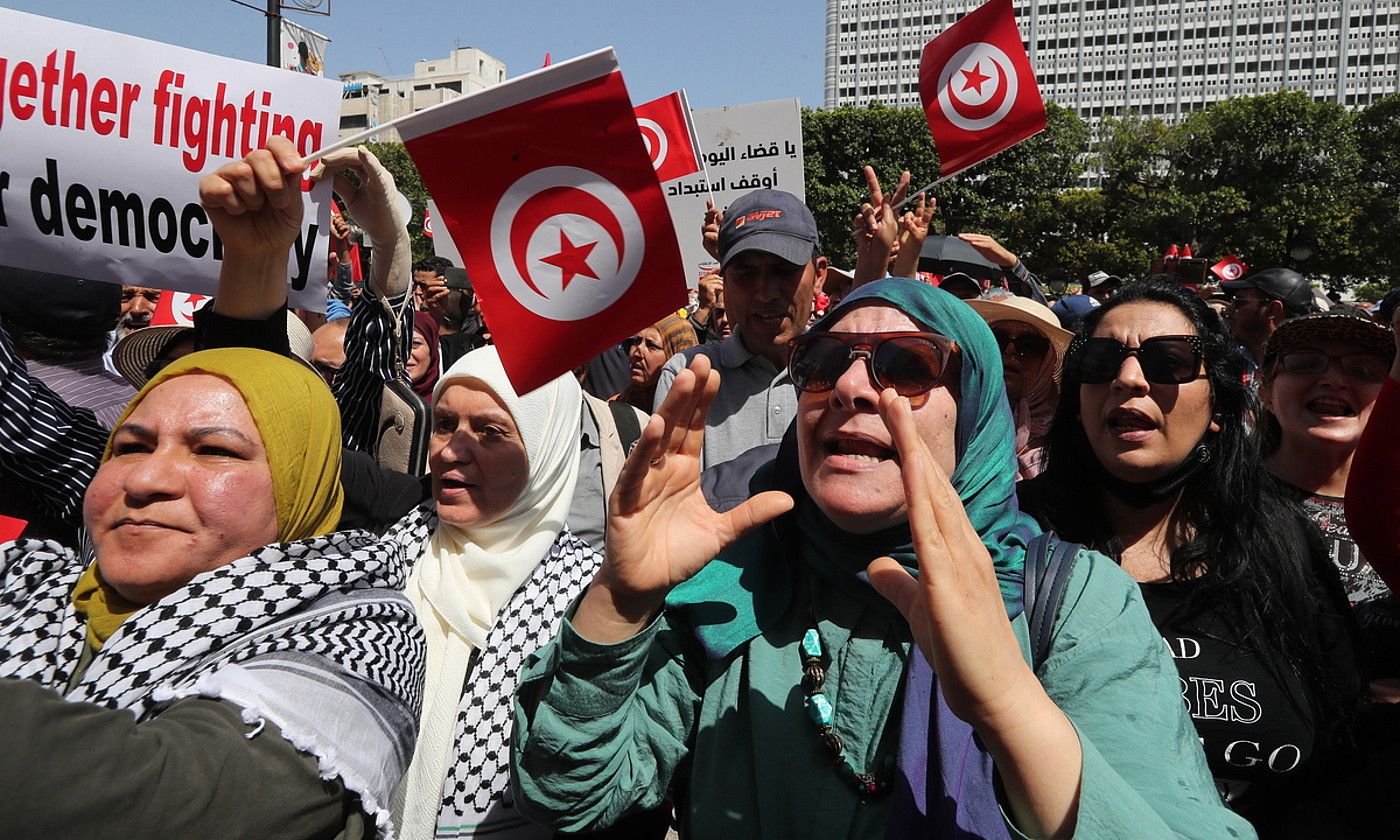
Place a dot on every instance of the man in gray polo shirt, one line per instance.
(771, 261)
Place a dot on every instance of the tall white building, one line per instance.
(369, 99)
(1159, 57)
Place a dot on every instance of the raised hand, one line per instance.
(958, 619)
(661, 531)
(372, 205)
(256, 208)
(954, 608)
(988, 247)
(876, 228)
(255, 203)
(913, 230)
(709, 229)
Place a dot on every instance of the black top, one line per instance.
(1250, 709)
(1375, 607)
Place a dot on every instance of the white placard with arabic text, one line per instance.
(746, 148)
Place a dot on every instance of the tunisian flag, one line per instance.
(978, 89)
(670, 136)
(546, 187)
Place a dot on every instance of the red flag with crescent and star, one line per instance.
(1230, 268)
(176, 309)
(978, 89)
(546, 186)
(670, 136)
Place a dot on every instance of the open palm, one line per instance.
(661, 531)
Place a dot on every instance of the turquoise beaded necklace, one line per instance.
(869, 785)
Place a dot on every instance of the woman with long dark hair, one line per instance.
(1151, 460)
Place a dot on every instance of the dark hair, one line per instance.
(437, 265)
(1244, 543)
(41, 346)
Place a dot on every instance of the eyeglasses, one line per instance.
(911, 363)
(1367, 367)
(1165, 359)
(1028, 345)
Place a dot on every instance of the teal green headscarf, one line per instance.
(749, 586)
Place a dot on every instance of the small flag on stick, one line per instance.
(978, 88)
(545, 185)
(670, 136)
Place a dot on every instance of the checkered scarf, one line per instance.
(260, 632)
(476, 798)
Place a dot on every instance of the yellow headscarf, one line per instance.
(300, 427)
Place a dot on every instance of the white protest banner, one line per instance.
(746, 148)
(303, 50)
(103, 140)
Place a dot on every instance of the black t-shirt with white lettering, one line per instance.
(1251, 711)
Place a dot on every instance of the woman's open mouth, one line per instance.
(859, 452)
(1330, 407)
(1130, 424)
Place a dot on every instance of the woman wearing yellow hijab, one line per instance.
(209, 650)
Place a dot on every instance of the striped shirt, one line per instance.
(87, 383)
(370, 361)
(49, 450)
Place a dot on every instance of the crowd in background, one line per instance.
(907, 550)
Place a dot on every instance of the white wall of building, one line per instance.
(369, 99)
(1160, 57)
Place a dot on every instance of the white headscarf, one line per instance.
(467, 575)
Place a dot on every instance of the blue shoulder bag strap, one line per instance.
(1048, 563)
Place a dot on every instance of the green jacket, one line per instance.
(603, 730)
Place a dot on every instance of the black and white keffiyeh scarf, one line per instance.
(476, 798)
(312, 635)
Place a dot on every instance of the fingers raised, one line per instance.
(872, 183)
(921, 476)
(901, 190)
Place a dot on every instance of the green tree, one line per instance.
(1378, 142)
(839, 143)
(1273, 178)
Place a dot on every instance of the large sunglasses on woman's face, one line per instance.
(1164, 359)
(1026, 344)
(911, 363)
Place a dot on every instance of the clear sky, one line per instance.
(723, 52)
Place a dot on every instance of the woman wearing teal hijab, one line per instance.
(784, 688)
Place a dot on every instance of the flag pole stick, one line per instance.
(913, 195)
(360, 136)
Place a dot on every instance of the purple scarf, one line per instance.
(958, 800)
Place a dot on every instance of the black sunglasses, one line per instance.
(1027, 345)
(1165, 359)
(911, 363)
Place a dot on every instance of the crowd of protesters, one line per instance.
(890, 552)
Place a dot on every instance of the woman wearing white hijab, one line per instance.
(497, 569)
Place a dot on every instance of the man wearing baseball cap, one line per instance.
(1101, 285)
(1264, 300)
(771, 261)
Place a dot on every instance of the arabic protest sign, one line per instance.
(103, 140)
(745, 148)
